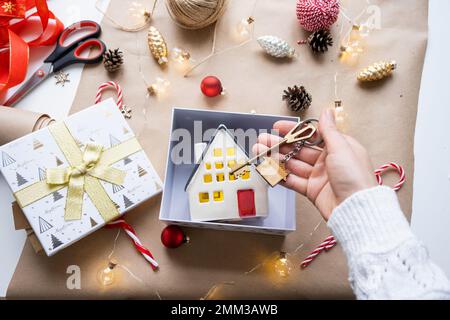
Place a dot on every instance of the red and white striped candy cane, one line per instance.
(107, 85)
(389, 166)
(122, 223)
(330, 242)
(323, 246)
(137, 243)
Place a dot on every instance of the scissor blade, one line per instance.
(40, 75)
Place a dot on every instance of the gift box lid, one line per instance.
(25, 163)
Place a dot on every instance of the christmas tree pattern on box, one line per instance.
(42, 174)
(20, 180)
(127, 202)
(37, 144)
(57, 196)
(44, 225)
(93, 222)
(56, 242)
(7, 159)
(116, 188)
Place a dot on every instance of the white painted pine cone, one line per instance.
(276, 47)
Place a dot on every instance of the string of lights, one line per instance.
(282, 263)
(137, 11)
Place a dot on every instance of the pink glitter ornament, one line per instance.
(315, 15)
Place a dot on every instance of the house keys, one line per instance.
(303, 134)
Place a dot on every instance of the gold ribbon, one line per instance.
(83, 175)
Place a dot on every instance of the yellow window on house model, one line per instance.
(203, 197)
(218, 195)
(217, 152)
(220, 177)
(219, 165)
(231, 177)
(208, 166)
(246, 175)
(207, 178)
(231, 152)
(231, 163)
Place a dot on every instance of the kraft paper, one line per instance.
(382, 117)
(15, 123)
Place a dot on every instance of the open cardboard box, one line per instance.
(175, 204)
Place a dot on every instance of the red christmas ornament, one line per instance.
(211, 86)
(173, 237)
(315, 15)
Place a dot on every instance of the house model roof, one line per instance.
(225, 129)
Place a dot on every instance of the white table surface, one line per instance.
(431, 201)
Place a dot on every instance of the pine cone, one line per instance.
(113, 60)
(320, 40)
(377, 71)
(297, 98)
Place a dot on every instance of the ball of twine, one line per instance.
(195, 14)
(315, 15)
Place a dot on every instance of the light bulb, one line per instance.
(283, 265)
(106, 276)
(244, 29)
(159, 88)
(340, 116)
(180, 55)
(350, 53)
(361, 31)
(182, 59)
(139, 13)
(356, 45)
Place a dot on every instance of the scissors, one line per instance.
(65, 55)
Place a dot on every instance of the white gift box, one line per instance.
(24, 164)
(281, 215)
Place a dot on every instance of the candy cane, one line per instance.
(389, 166)
(330, 242)
(325, 244)
(106, 85)
(121, 223)
(137, 243)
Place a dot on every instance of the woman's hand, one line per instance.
(327, 178)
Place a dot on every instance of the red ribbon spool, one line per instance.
(14, 59)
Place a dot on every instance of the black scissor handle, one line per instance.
(74, 56)
(61, 48)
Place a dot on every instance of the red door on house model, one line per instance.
(246, 203)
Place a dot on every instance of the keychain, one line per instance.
(303, 134)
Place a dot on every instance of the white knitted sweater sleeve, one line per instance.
(386, 261)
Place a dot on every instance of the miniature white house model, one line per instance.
(214, 193)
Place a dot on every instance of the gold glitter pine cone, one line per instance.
(377, 71)
(157, 46)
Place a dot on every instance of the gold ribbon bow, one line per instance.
(82, 176)
(75, 177)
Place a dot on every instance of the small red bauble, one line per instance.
(211, 86)
(173, 237)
